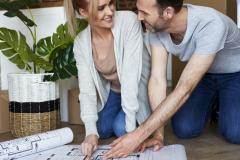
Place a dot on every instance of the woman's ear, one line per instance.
(168, 13)
(83, 12)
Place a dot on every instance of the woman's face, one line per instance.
(104, 16)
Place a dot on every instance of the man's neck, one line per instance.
(178, 24)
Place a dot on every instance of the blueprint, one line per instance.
(73, 152)
(52, 146)
(33, 144)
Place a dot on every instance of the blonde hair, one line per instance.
(73, 6)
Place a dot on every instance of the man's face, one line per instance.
(150, 14)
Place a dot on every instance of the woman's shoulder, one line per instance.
(82, 36)
(125, 13)
(125, 17)
(124, 21)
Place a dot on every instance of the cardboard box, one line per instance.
(228, 7)
(74, 107)
(4, 112)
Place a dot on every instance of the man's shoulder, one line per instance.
(158, 35)
(201, 18)
(158, 38)
(203, 13)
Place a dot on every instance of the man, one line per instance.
(210, 42)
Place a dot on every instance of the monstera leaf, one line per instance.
(14, 46)
(13, 10)
(58, 50)
(64, 65)
(48, 47)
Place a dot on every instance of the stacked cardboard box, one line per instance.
(4, 112)
(74, 107)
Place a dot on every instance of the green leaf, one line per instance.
(14, 46)
(64, 65)
(17, 4)
(58, 50)
(41, 63)
(13, 10)
(49, 46)
(3, 45)
(82, 24)
(8, 52)
(21, 16)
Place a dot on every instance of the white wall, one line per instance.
(47, 20)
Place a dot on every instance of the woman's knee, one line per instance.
(104, 131)
(119, 125)
(119, 130)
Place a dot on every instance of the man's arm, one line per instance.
(197, 66)
(192, 74)
(157, 86)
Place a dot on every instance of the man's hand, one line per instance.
(156, 141)
(124, 145)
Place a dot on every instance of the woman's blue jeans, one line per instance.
(111, 120)
(192, 117)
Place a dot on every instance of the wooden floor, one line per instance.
(209, 146)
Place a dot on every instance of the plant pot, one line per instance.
(34, 104)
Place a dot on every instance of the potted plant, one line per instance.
(34, 102)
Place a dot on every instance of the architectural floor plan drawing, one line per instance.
(52, 146)
(73, 152)
(36, 143)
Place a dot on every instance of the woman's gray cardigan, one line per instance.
(133, 66)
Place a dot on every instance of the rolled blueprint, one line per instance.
(36, 143)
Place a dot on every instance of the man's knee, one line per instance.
(186, 131)
(232, 135)
(235, 139)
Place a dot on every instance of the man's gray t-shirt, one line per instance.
(208, 32)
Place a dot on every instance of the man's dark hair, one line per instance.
(176, 4)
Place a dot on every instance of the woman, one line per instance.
(113, 70)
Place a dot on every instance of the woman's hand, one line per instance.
(89, 145)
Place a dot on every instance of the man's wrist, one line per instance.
(141, 133)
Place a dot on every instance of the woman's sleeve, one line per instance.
(88, 94)
(131, 71)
